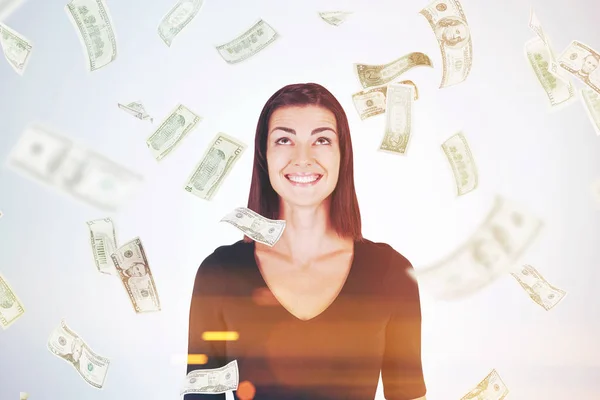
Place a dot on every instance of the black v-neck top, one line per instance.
(373, 325)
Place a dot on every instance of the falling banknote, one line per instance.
(591, 102)
(104, 243)
(540, 55)
(398, 118)
(7, 7)
(215, 165)
(491, 251)
(377, 75)
(212, 381)
(491, 388)
(449, 24)
(172, 131)
(66, 344)
(57, 161)
(335, 18)
(177, 18)
(136, 109)
(255, 226)
(537, 288)
(582, 62)
(23, 396)
(259, 36)
(134, 271)
(372, 102)
(11, 308)
(16, 48)
(96, 32)
(462, 162)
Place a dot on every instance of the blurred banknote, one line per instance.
(595, 189)
(7, 7)
(582, 62)
(398, 118)
(377, 75)
(255, 226)
(23, 396)
(104, 243)
(215, 165)
(591, 102)
(538, 288)
(540, 55)
(491, 388)
(66, 344)
(57, 161)
(491, 251)
(177, 18)
(133, 269)
(96, 32)
(259, 36)
(371, 102)
(452, 32)
(335, 18)
(212, 381)
(136, 109)
(171, 131)
(462, 162)
(16, 48)
(11, 308)
(1, 214)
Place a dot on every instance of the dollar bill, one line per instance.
(215, 165)
(335, 18)
(462, 162)
(133, 269)
(212, 381)
(398, 118)
(172, 131)
(539, 53)
(95, 29)
(23, 396)
(11, 308)
(56, 161)
(7, 7)
(136, 109)
(538, 288)
(591, 102)
(491, 388)
(377, 75)
(255, 226)
(449, 23)
(68, 345)
(16, 48)
(177, 18)
(104, 244)
(372, 102)
(244, 46)
(582, 62)
(1, 214)
(491, 251)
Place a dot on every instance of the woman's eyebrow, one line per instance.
(314, 132)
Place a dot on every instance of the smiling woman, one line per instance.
(323, 311)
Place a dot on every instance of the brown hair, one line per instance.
(344, 211)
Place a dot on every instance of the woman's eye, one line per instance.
(327, 141)
(278, 141)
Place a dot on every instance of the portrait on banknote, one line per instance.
(452, 32)
(588, 66)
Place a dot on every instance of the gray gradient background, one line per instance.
(546, 161)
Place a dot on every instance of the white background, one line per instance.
(545, 161)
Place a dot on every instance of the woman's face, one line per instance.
(303, 141)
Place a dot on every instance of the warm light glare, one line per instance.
(197, 359)
(225, 335)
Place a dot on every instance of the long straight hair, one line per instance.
(344, 212)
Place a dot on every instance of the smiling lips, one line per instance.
(303, 178)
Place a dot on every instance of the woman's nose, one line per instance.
(303, 155)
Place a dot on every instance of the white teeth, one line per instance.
(303, 179)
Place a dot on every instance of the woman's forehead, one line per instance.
(302, 114)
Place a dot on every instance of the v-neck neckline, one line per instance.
(336, 299)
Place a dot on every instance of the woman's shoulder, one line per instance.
(395, 264)
(227, 254)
